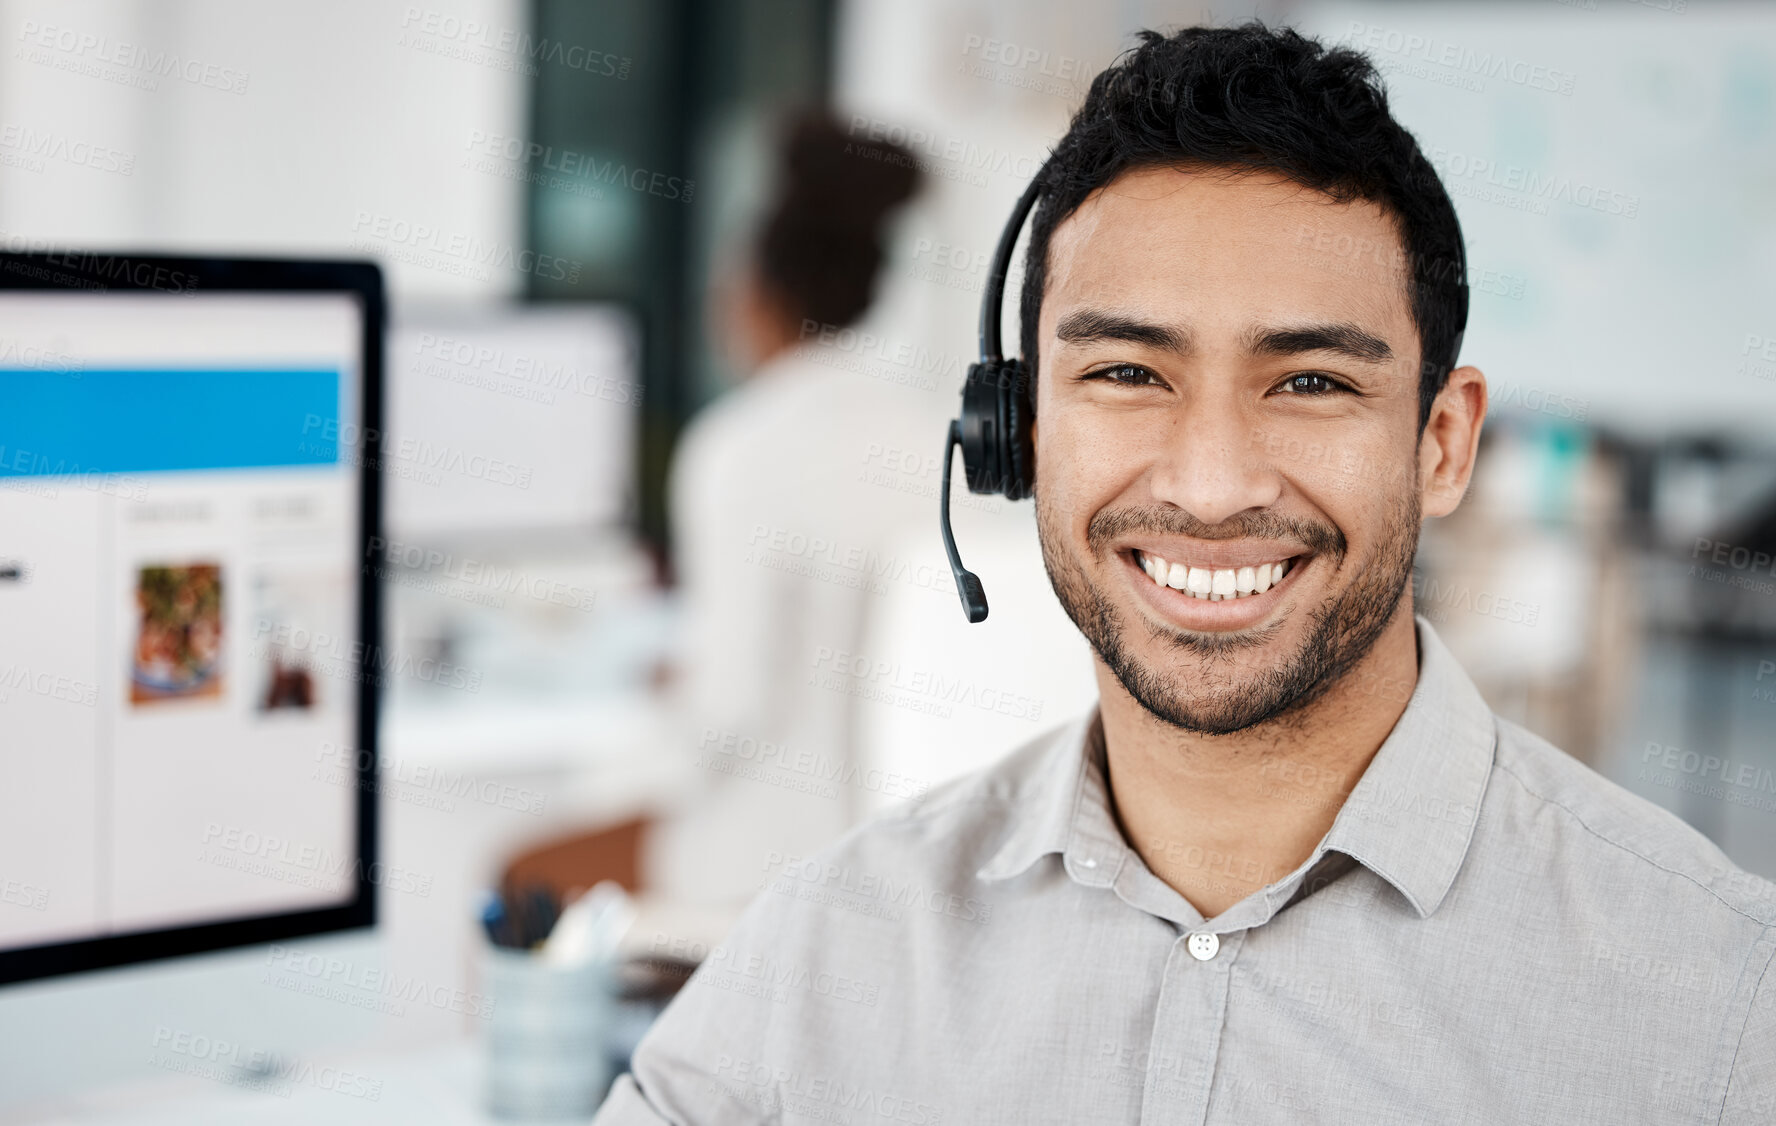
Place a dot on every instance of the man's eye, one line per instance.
(1311, 383)
(1129, 375)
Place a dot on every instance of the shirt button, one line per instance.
(1202, 945)
(1089, 863)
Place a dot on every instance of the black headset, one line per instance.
(997, 408)
(998, 403)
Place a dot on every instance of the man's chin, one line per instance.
(1210, 694)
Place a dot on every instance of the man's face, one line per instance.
(1228, 398)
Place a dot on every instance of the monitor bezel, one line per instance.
(116, 272)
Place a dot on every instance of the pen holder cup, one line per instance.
(547, 1036)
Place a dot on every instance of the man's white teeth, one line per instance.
(1214, 586)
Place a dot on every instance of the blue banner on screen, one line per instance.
(146, 421)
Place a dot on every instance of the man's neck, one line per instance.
(1219, 816)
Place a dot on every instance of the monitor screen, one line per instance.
(184, 668)
(512, 419)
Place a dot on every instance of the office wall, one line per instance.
(329, 127)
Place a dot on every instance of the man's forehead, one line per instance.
(1233, 225)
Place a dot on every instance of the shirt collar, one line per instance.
(1043, 815)
(1409, 818)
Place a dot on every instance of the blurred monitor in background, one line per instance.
(511, 469)
(779, 529)
(512, 420)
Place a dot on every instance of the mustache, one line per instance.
(1112, 524)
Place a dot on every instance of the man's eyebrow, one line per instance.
(1087, 325)
(1344, 339)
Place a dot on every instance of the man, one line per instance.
(1291, 868)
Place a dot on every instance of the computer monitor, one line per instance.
(512, 419)
(189, 642)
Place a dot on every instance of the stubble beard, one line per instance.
(1343, 628)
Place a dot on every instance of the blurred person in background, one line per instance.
(779, 526)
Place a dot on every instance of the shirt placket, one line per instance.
(1187, 1025)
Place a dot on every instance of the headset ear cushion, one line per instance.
(1019, 414)
(983, 427)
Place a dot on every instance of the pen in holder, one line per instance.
(553, 1003)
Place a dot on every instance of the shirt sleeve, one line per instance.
(627, 1106)
(1751, 1085)
(695, 1066)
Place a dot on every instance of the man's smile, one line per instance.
(1214, 586)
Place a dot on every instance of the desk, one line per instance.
(438, 1085)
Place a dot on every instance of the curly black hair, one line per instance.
(1253, 97)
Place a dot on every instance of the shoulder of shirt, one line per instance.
(1626, 827)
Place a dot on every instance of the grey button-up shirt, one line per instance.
(1489, 933)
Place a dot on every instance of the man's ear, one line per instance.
(1450, 441)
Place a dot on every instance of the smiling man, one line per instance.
(1291, 867)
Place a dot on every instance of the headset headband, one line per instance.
(993, 296)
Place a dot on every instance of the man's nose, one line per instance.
(1213, 466)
